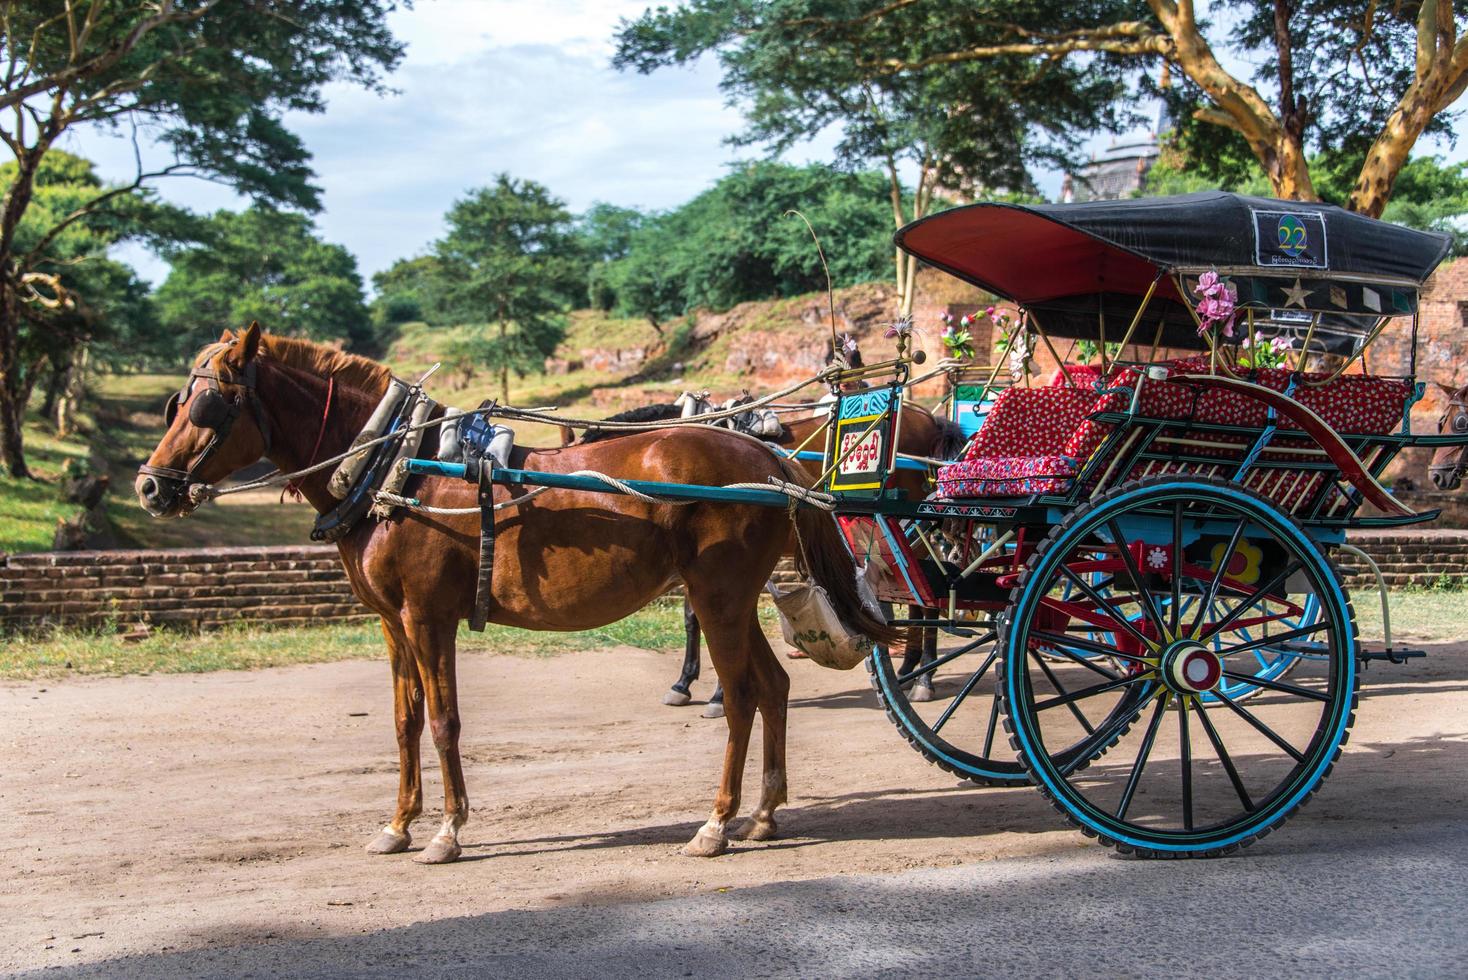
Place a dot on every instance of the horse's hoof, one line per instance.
(714, 709)
(756, 829)
(389, 841)
(675, 698)
(706, 844)
(440, 850)
(921, 692)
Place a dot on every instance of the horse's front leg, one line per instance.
(433, 639)
(408, 719)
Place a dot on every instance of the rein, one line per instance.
(293, 487)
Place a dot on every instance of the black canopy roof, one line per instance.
(1075, 264)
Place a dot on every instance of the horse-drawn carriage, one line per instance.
(1134, 562)
(1132, 553)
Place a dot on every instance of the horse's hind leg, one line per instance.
(773, 687)
(433, 642)
(408, 718)
(730, 650)
(681, 693)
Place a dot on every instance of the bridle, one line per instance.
(1459, 426)
(210, 408)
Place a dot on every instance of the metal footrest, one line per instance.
(1390, 655)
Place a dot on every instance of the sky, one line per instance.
(523, 86)
(487, 86)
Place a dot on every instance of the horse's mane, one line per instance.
(352, 370)
(951, 439)
(643, 413)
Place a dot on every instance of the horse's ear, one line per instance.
(227, 336)
(1448, 390)
(244, 352)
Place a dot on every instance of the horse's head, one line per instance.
(1450, 462)
(216, 425)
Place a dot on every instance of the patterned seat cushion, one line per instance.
(1035, 440)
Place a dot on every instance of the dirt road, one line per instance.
(153, 815)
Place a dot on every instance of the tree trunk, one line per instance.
(55, 386)
(12, 408)
(71, 393)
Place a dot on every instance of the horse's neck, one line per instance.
(296, 403)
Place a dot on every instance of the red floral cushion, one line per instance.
(1036, 439)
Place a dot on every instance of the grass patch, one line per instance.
(75, 653)
(1426, 615)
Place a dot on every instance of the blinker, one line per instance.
(210, 410)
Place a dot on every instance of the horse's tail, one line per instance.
(950, 441)
(823, 555)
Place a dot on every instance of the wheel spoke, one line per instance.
(952, 655)
(993, 725)
(1260, 727)
(1228, 762)
(963, 693)
(1283, 688)
(1265, 641)
(1109, 610)
(1055, 683)
(1149, 608)
(1174, 614)
(1253, 599)
(1224, 561)
(1142, 753)
(1092, 691)
(1061, 642)
(1185, 756)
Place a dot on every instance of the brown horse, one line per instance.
(1450, 462)
(564, 561)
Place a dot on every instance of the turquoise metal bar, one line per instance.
(567, 481)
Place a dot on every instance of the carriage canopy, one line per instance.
(1080, 268)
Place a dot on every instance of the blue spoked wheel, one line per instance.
(1198, 774)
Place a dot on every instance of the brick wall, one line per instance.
(188, 587)
(300, 585)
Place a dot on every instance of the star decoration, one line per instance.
(1296, 295)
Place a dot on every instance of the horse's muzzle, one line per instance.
(1446, 476)
(160, 496)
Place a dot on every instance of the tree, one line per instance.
(1333, 75)
(77, 296)
(510, 261)
(266, 265)
(605, 233)
(734, 241)
(210, 79)
(954, 127)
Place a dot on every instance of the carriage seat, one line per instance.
(1036, 440)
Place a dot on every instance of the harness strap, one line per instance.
(484, 586)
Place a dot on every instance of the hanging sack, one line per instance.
(810, 624)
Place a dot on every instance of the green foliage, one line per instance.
(108, 305)
(605, 233)
(734, 242)
(1429, 194)
(266, 265)
(799, 67)
(510, 260)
